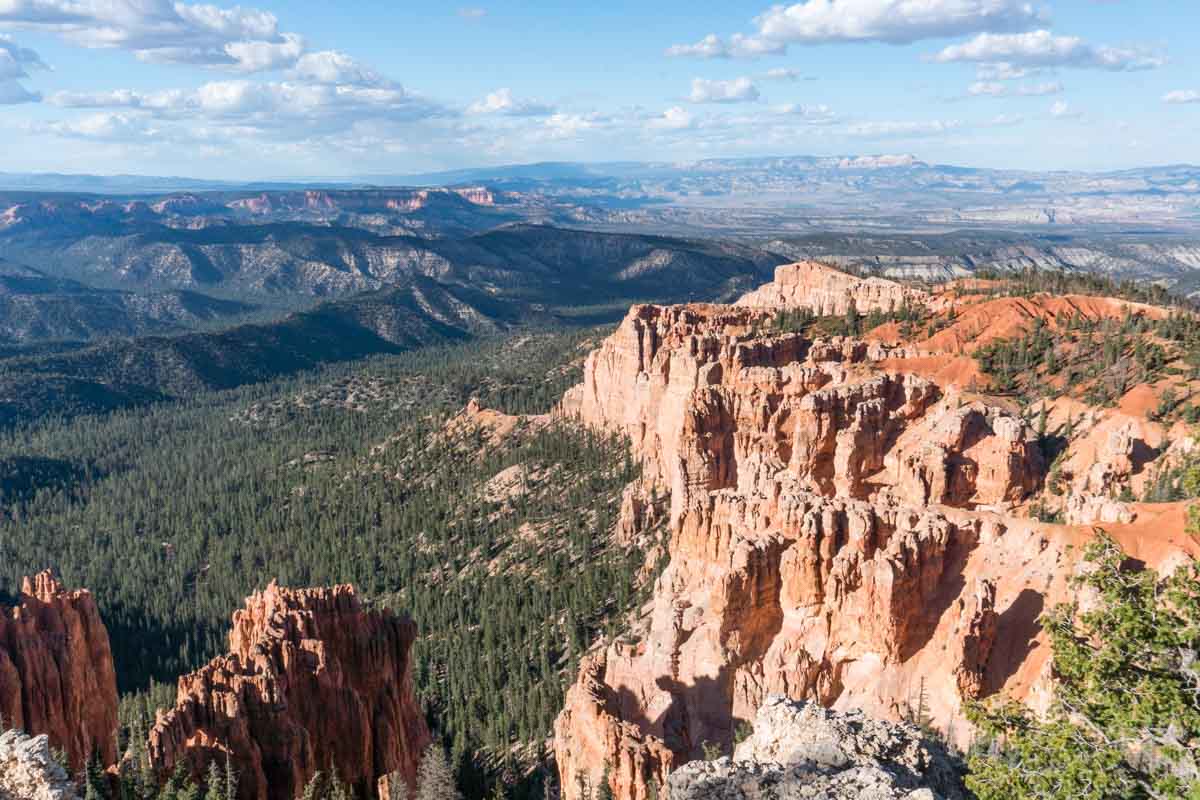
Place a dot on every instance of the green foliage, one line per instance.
(852, 323)
(1125, 722)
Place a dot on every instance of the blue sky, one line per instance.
(305, 89)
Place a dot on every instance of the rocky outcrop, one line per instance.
(800, 750)
(825, 290)
(1094, 495)
(28, 770)
(313, 682)
(839, 532)
(56, 671)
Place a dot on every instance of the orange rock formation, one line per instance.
(56, 671)
(842, 529)
(313, 682)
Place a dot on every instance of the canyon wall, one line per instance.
(56, 671)
(843, 530)
(313, 682)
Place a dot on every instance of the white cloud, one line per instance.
(258, 56)
(333, 67)
(738, 90)
(15, 63)
(738, 46)
(1182, 96)
(997, 89)
(901, 130)
(570, 126)
(673, 119)
(162, 31)
(472, 12)
(502, 101)
(104, 126)
(813, 115)
(781, 74)
(286, 109)
(1043, 49)
(987, 88)
(892, 21)
(1003, 71)
(1005, 120)
(1062, 110)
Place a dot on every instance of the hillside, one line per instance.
(37, 308)
(118, 373)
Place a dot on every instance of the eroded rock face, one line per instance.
(28, 770)
(56, 671)
(800, 750)
(312, 682)
(838, 534)
(824, 290)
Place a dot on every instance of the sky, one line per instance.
(371, 87)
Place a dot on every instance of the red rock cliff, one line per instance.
(843, 530)
(312, 682)
(56, 670)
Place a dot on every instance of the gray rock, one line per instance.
(801, 750)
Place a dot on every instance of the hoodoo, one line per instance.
(56, 671)
(313, 682)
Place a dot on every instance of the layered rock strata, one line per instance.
(313, 682)
(56, 671)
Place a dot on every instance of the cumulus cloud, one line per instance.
(1043, 49)
(892, 21)
(162, 31)
(1181, 96)
(333, 67)
(738, 90)
(502, 101)
(105, 126)
(286, 109)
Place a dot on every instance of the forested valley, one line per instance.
(173, 513)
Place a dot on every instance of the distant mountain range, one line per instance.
(843, 192)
